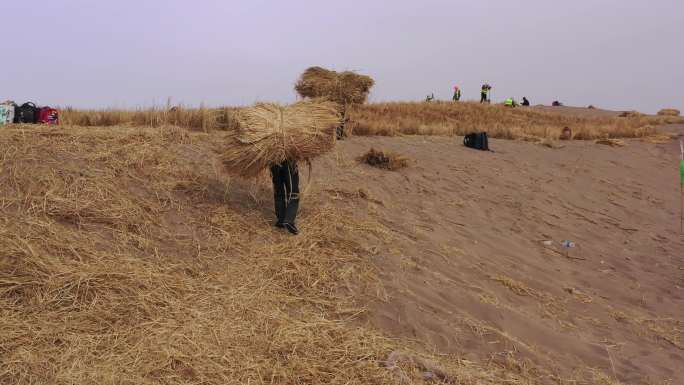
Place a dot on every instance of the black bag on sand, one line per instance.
(477, 140)
(26, 113)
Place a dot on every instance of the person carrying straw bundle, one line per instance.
(275, 137)
(285, 177)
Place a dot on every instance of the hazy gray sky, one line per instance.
(126, 53)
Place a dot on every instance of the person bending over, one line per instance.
(285, 178)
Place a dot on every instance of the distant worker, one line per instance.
(525, 102)
(484, 93)
(457, 94)
(556, 103)
(285, 178)
(430, 98)
(510, 102)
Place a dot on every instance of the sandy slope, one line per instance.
(467, 270)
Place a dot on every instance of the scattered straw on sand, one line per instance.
(611, 142)
(517, 287)
(659, 138)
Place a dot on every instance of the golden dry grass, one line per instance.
(127, 258)
(401, 118)
(97, 286)
(202, 119)
(441, 118)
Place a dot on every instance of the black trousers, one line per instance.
(285, 178)
(483, 97)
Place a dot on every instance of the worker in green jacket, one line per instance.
(484, 93)
(510, 102)
(457, 94)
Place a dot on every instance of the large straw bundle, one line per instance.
(268, 134)
(343, 87)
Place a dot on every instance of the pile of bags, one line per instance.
(10, 112)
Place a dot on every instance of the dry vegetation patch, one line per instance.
(630, 114)
(441, 118)
(399, 118)
(201, 119)
(669, 112)
(659, 138)
(109, 275)
(384, 159)
(611, 142)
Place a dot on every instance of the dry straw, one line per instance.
(611, 142)
(269, 133)
(341, 87)
(384, 159)
(387, 119)
(441, 118)
(126, 259)
(630, 114)
(669, 112)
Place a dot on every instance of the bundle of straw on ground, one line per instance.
(384, 159)
(343, 88)
(669, 112)
(269, 133)
(630, 114)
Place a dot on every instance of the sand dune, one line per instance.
(473, 263)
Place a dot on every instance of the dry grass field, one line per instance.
(129, 256)
(405, 118)
(442, 118)
(202, 119)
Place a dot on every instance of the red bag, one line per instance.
(48, 115)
